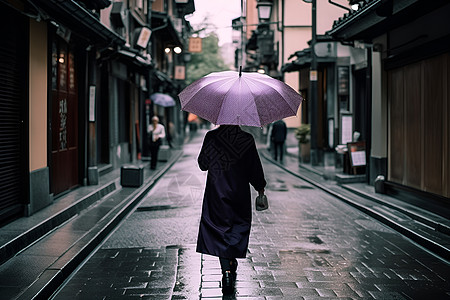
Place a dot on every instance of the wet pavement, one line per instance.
(307, 245)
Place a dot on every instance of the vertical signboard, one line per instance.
(195, 44)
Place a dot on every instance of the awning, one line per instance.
(373, 18)
(161, 79)
(303, 59)
(96, 4)
(163, 27)
(76, 18)
(137, 59)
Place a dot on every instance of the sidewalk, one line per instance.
(424, 227)
(39, 252)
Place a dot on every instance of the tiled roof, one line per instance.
(364, 7)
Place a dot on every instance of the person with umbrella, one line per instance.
(229, 154)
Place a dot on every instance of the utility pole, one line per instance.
(313, 88)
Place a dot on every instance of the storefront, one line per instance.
(64, 116)
(410, 67)
(13, 113)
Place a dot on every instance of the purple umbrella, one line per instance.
(235, 98)
(163, 100)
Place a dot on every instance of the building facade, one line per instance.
(77, 77)
(372, 73)
(409, 60)
(291, 24)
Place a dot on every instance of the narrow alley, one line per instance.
(308, 245)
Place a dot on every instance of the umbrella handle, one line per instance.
(240, 71)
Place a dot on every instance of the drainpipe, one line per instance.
(368, 112)
(313, 89)
(92, 138)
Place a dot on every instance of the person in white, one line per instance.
(156, 133)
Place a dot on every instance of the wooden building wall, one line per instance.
(419, 121)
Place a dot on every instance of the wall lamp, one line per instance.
(176, 49)
(264, 10)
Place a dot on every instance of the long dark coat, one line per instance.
(279, 132)
(232, 161)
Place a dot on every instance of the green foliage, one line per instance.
(209, 60)
(302, 133)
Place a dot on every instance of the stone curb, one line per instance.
(27, 238)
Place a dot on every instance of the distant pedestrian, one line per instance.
(278, 137)
(229, 155)
(156, 133)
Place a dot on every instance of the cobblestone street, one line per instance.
(307, 245)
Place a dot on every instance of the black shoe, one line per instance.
(227, 283)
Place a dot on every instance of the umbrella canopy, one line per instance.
(163, 100)
(235, 98)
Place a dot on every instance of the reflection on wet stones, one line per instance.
(278, 186)
(372, 226)
(302, 186)
(155, 208)
(315, 240)
(185, 188)
(321, 262)
(304, 251)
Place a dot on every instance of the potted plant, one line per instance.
(303, 135)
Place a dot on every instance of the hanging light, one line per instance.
(264, 10)
(177, 50)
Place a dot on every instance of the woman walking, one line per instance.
(229, 155)
(156, 133)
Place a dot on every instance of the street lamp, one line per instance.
(177, 50)
(180, 4)
(264, 10)
(313, 85)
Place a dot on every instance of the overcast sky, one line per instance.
(219, 13)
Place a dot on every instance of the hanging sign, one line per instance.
(180, 72)
(195, 44)
(143, 37)
(92, 103)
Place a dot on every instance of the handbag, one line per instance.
(261, 203)
(152, 143)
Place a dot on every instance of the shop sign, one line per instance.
(180, 72)
(195, 44)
